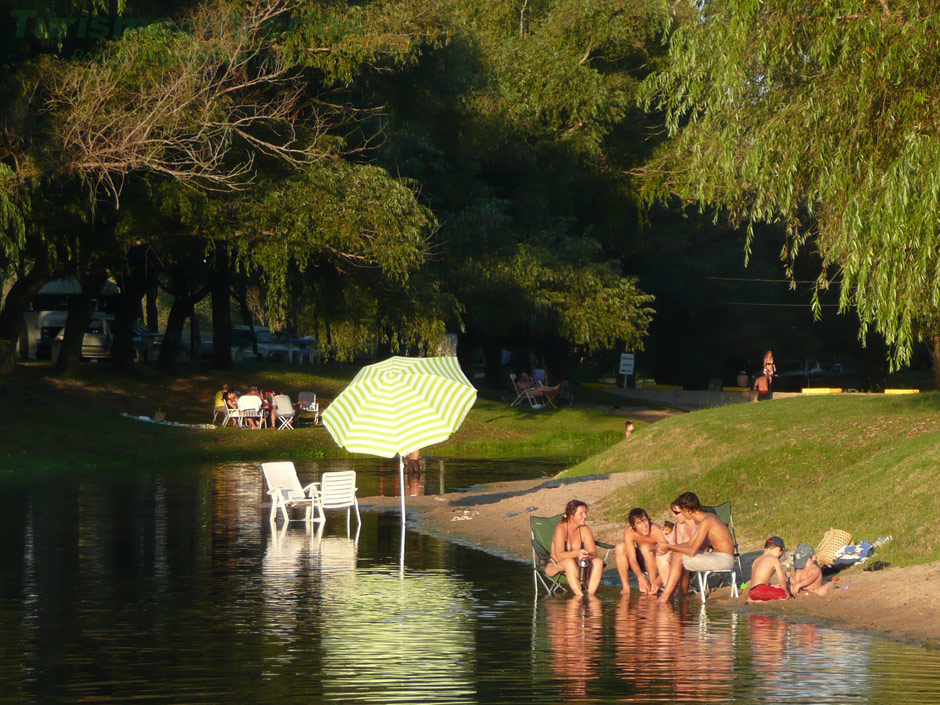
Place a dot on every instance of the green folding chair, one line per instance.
(543, 529)
(723, 512)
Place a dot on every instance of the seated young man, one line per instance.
(637, 552)
(764, 569)
(710, 532)
(808, 578)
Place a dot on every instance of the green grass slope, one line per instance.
(796, 467)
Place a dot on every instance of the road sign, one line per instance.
(626, 363)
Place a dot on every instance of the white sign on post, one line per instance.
(626, 363)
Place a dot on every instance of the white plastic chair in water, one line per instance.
(337, 490)
(285, 412)
(286, 492)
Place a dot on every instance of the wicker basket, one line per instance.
(833, 540)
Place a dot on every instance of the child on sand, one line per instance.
(764, 569)
(808, 578)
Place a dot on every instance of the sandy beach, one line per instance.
(900, 603)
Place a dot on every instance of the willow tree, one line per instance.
(823, 116)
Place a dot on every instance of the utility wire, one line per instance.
(752, 303)
(758, 279)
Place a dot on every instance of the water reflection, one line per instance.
(171, 587)
(802, 663)
(389, 640)
(576, 637)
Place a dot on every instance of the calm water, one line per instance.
(171, 588)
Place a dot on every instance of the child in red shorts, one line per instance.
(764, 569)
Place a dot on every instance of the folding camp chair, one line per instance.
(542, 530)
(525, 394)
(723, 512)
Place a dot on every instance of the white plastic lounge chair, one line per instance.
(285, 412)
(249, 407)
(286, 492)
(307, 401)
(337, 490)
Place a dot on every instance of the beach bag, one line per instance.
(832, 541)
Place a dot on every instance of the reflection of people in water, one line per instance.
(768, 645)
(645, 654)
(414, 473)
(576, 630)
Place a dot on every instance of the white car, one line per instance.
(270, 349)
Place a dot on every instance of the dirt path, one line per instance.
(901, 603)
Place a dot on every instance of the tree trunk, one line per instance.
(70, 354)
(935, 356)
(195, 337)
(221, 310)
(247, 319)
(14, 305)
(153, 317)
(133, 287)
(174, 331)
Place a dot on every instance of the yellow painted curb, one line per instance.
(902, 391)
(822, 390)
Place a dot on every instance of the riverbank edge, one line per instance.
(901, 604)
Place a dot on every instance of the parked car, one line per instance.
(99, 336)
(796, 374)
(270, 349)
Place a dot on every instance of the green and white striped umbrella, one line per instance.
(399, 406)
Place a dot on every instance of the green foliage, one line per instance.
(823, 116)
(14, 210)
(343, 40)
(588, 303)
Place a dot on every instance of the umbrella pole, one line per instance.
(401, 484)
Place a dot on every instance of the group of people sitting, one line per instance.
(663, 557)
(227, 399)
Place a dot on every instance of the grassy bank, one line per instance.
(796, 467)
(57, 423)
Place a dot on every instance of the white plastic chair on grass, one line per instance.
(307, 401)
(337, 490)
(285, 412)
(249, 407)
(286, 492)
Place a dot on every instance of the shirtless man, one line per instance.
(808, 578)
(710, 531)
(763, 570)
(641, 536)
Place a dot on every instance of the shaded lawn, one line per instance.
(73, 423)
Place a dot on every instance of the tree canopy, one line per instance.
(823, 116)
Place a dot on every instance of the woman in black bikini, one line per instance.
(574, 541)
